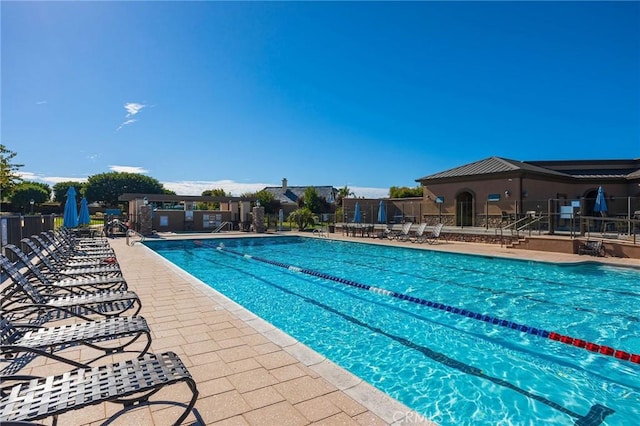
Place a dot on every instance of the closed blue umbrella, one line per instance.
(357, 216)
(84, 218)
(382, 214)
(70, 209)
(601, 201)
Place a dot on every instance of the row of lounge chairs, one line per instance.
(76, 283)
(421, 235)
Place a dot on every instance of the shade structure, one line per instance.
(357, 216)
(382, 214)
(84, 217)
(70, 209)
(601, 201)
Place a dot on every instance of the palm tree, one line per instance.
(344, 192)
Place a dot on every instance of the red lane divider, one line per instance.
(568, 340)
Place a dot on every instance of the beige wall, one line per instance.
(175, 220)
(525, 194)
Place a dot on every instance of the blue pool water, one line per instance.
(453, 369)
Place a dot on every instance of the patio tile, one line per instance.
(303, 388)
(222, 406)
(251, 380)
(275, 360)
(281, 414)
(215, 386)
(237, 353)
(317, 409)
(262, 397)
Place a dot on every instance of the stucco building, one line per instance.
(483, 192)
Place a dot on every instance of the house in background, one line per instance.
(483, 192)
(289, 195)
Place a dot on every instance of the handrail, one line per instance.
(623, 225)
(512, 226)
(531, 221)
(521, 224)
(134, 233)
(322, 233)
(222, 225)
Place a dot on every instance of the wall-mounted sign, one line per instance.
(566, 212)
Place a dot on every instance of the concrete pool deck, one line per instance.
(247, 371)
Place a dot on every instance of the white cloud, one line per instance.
(128, 169)
(198, 187)
(51, 180)
(367, 192)
(133, 108)
(236, 188)
(130, 121)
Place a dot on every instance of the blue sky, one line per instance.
(238, 95)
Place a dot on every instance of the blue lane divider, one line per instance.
(579, 343)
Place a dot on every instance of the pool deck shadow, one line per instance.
(248, 372)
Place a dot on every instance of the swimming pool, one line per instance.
(452, 368)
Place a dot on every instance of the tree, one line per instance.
(105, 188)
(218, 192)
(312, 199)
(24, 192)
(60, 190)
(266, 199)
(9, 177)
(302, 217)
(405, 192)
(344, 192)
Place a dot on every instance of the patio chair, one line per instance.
(404, 233)
(434, 237)
(34, 340)
(102, 269)
(74, 239)
(383, 233)
(23, 300)
(65, 246)
(52, 283)
(70, 258)
(593, 248)
(419, 235)
(130, 383)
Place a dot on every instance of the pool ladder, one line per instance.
(321, 233)
(131, 234)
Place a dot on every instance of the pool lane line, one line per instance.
(568, 340)
(525, 278)
(505, 292)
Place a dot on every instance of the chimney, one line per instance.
(284, 184)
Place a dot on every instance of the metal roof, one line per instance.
(290, 194)
(494, 165)
(488, 166)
